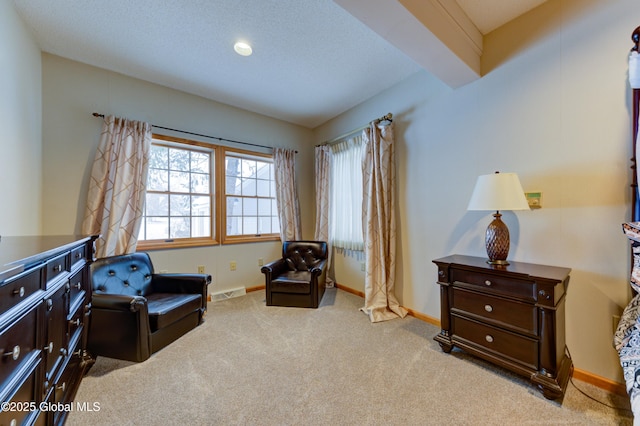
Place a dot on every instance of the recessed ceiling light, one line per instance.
(242, 48)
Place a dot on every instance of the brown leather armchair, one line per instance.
(299, 277)
(136, 312)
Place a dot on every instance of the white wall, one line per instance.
(73, 91)
(20, 120)
(553, 107)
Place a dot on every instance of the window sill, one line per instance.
(173, 244)
(238, 239)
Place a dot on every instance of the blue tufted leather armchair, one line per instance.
(299, 277)
(136, 312)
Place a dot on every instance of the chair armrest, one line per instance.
(275, 267)
(119, 327)
(118, 302)
(317, 270)
(180, 283)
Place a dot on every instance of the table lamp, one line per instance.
(498, 191)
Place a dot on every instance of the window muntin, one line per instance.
(186, 203)
(179, 198)
(250, 202)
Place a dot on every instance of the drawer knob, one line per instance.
(19, 291)
(13, 422)
(488, 338)
(78, 285)
(62, 387)
(49, 347)
(15, 353)
(75, 322)
(57, 268)
(488, 308)
(487, 282)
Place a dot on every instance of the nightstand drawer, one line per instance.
(518, 316)
(512, 287)
(516, 348)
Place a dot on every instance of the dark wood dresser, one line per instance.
(44, 309)
(512, 316)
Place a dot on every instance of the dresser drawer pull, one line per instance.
(78, 255)
(488, 338)
(78, 285)
(75, 322)
(13, 422)
(49, 347)
(57, 268)
(488, 308)
(62, 387)
(487, 282)
(19, 291)
(15, 353)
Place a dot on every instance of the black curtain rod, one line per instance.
(388, 117)
(95, 114)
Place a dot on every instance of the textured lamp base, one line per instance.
(497, 241)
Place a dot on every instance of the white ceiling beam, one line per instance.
(436, 34)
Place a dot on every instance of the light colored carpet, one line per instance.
(250, 364)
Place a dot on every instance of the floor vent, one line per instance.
(228, 294)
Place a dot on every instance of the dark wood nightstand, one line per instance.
(512, 316)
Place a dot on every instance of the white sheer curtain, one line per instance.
(379, 222)
(345, 220)
(117, 186)
(284, 161)
(323, 203)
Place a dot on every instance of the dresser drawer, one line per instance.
(516, 348)
(78, 256)
(78, 286)
(56, 267)
(17, 289)
(75, 323)
(23, 404)
(518, 316)
(493, 283)
(17, 341)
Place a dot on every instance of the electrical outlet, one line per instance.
(232, 266)
(260, 262)
(201, 269)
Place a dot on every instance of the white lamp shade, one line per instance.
(634, 70)
(498, 191)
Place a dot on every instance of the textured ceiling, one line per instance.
(312, 59)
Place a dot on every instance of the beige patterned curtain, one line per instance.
(284, 161)
(379, 224)
(117, 187)
(323, 196)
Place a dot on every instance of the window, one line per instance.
(346, 194)
(250, 199)
(179, 199)
(186, 205)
